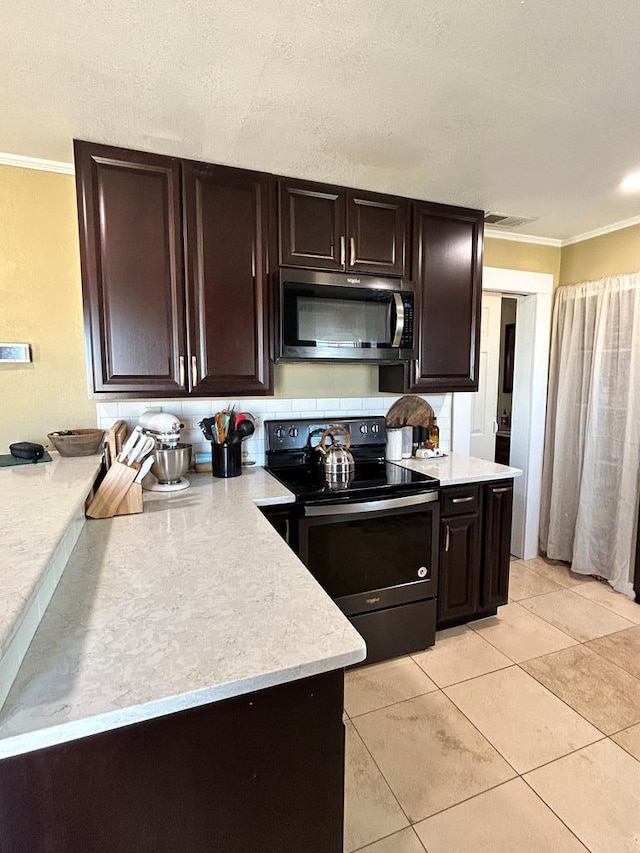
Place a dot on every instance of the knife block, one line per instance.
(117, 494)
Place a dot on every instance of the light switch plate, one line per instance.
(20, 353)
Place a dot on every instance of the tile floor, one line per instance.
(514, 734)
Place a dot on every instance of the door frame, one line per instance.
(535, 294)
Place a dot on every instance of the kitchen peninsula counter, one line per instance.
(193, 601)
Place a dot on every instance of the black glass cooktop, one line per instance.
(370, 480)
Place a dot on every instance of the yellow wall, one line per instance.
(616, 253)
(527, 257)
(40, 304)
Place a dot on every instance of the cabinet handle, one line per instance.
(503, 489)
(181, 378)
(463, 500)
(447, 537)
(194, 371)
(352, 244)
(416, 371)
(343, 251)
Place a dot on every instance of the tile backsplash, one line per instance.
(267, 408)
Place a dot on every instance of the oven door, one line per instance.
(373, 554)
(323, 317)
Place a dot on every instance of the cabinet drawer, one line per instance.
(459, 500)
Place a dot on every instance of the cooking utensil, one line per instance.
(338, 463)
(129, 443)
(145, 468)
(144, 446)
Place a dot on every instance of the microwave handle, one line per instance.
(397, 335)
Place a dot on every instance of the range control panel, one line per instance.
(301, 434)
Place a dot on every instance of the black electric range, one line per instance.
(293, 459)
(372, 542)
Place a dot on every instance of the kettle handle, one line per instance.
(330, 431)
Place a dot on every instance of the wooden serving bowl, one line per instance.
(81, 442)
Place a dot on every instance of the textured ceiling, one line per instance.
(528, 107)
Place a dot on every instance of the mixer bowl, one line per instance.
(171, 464)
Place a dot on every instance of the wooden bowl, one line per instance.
(81, 442)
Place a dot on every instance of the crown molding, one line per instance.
(496, 234)
(598, 232)
(21, 162)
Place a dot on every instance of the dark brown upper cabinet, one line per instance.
(132, 270)
(226, 214)
(447, 268)
(161, 321)
(333, 228)
(312, 225)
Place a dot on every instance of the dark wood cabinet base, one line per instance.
(261, 772)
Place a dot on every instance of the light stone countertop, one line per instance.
(456, 469)
(37, 505)
(195, 600)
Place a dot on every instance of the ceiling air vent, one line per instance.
(503, 220)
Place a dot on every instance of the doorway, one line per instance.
(492, 404)
(531, 360)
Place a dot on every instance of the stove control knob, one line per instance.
(375, 429)
(293, 432)
(364, 429)
(279, 433)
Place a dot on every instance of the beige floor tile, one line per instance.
(557, 572)
(596, 793)
(430, 754)
(507, 819)
(629, 739)
(622, 648)
(605, 595)
(405, 841)
(459, 653)
(576, 615)
(603, 693)
(524, 582)
(520, 634)
(371, 687)
(370, 809)
(526, 723)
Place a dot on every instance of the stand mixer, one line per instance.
(172, 459)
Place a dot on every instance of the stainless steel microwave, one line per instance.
(325, 316)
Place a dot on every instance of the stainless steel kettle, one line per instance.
(338, 462)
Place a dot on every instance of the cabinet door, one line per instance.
(498, 503)
(132, 269)
(459, 567)
(377, 228)
(312, 225)
(226, 227)
(448, 270)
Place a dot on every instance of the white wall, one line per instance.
(265, 408)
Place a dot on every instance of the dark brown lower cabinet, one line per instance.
(459, 567)
(261, 772)
(475, 536)
(496, 550)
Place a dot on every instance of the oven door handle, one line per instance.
(370, 506)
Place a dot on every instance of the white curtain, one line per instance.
(591, 479)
